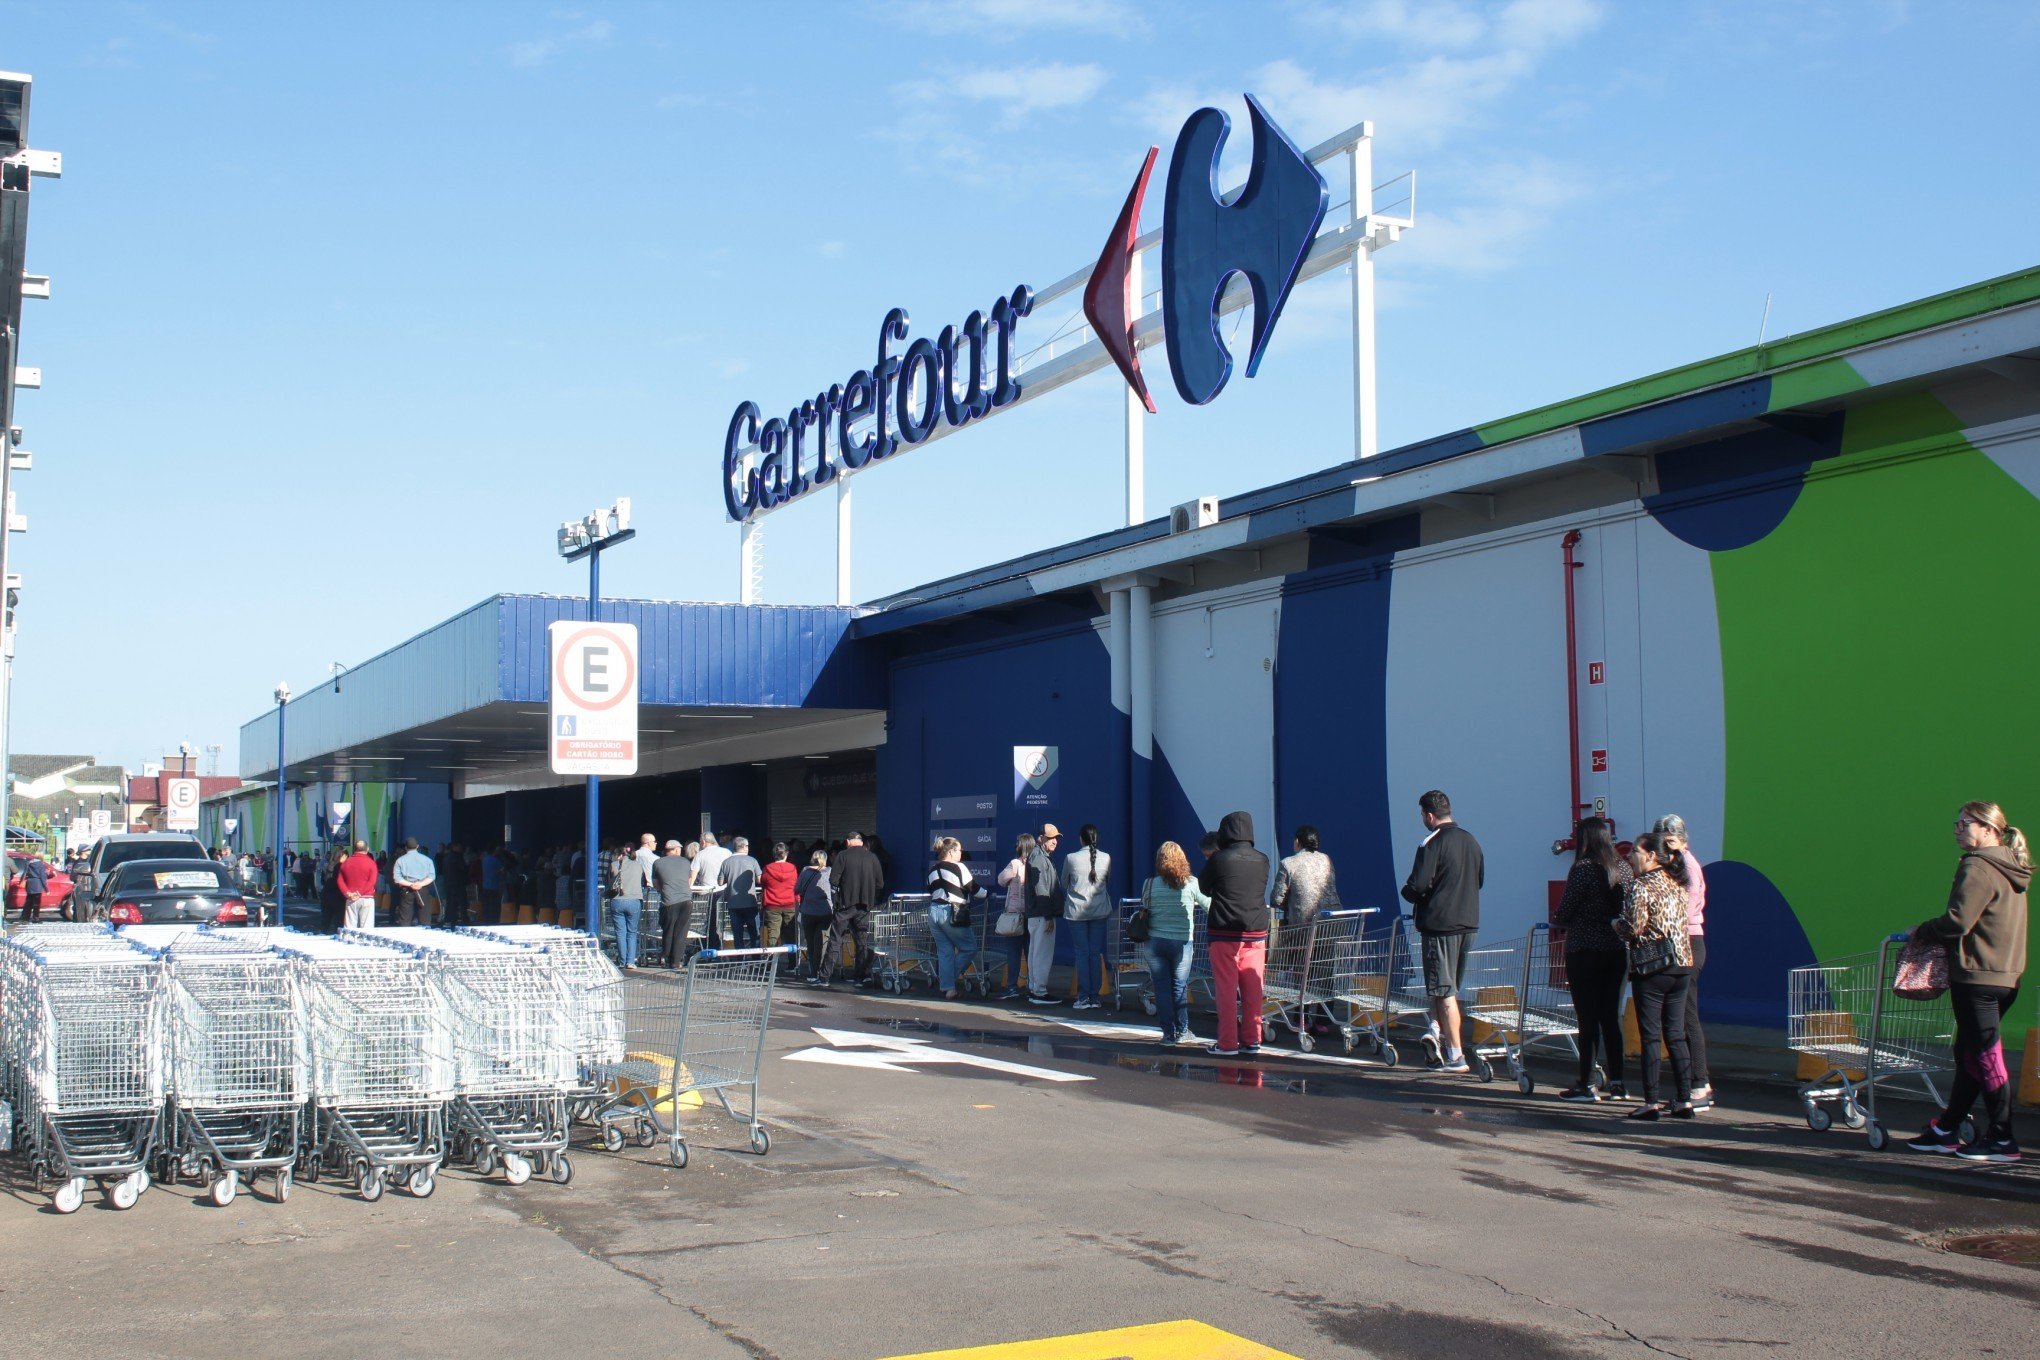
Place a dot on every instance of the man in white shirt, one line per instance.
(647, 853)
(706, 886)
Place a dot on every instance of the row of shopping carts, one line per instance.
(220, 1056)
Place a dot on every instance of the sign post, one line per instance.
(180, 803)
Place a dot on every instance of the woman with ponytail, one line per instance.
(1984, 932)
(1087, 907)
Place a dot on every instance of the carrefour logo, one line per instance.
(965, 372)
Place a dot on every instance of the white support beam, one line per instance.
(35, 285)
(25, 377)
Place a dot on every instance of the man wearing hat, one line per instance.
(1044, 909)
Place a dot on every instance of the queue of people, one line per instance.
(1631, 917)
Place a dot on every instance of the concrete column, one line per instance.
(1141, 712)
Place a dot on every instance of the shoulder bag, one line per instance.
(1012, 922)
(1648, 958)
(1141, 921)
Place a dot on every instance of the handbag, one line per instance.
(1010, 923)
(1922, 971)
(1140, 921)
(1648, 958)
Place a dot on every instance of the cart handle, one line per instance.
(747, 953)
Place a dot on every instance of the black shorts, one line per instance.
(1445, 962)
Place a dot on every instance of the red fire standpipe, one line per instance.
(1572, 695)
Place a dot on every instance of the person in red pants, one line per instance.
(1235, 878)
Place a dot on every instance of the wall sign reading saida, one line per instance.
(965, 373)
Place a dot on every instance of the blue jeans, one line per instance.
(744, 925)
(1169, 974)
(953, 946)
(1087, 955)
(626, 912)
(1013, 945)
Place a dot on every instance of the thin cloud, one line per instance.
(1013, 92)
(832, 249)
(1494, 217)
(535, 52)
(999, 19)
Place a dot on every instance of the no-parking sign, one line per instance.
(180, 803)
(594, 711)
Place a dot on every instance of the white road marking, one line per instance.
(898, 1050)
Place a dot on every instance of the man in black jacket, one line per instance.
(1235, 878)
(859, 885)
(1444, 897)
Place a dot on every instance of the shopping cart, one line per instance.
(382, 1062)
(1845, 1015)
(1126, 958)
(702, 1032)
(1490, 1001)
(592, 997)
(239, 1066)
(81, 1035)
(510, 1020)
(903, 942)
(1303, 962)
(1361, 967)
(1406, 1006)
(1544, 1010)
(1200, 962)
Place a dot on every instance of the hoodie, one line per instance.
(1985, 924)
(1236, 880)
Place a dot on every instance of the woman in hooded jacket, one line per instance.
(1984, 932)
(1235, 878)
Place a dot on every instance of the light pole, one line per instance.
(587, 538)
(276, 856)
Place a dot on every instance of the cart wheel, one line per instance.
(515, 1169)
(224, 1187)
(612, 1138)
(1486, 1070)
(280, 1190)
(647, 1133)
(1304, 1043)
(1967, 1133)
(1525, 1083)
(1600, 1077)
(423, 1182)
(1147, 1002)
(892, 984)
(187, 1166)
(69, 1195)
(311, 1172)
(677, 1154)
(1389, 1056)
(485, 1160)
(1877, 1137)
(761, 1141)
(561, 1170)
(142, 1182)
(1853, 1115)
(1347, 1042)
(123, 1193)
(1818, 1119)
(370, 1184)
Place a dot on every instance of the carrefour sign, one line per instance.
(966, 372)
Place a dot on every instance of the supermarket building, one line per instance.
(1785, 593)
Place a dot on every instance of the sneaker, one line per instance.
(1434, 1056)
(812, 982)
(1043, 1001)
(1649, 1114)
(1250, 1049)
(1010, 994)
(1615, 1090)
(1703, 1094)
(1458, 1064)
(1686, 1111)
(1934, 1139)
(1989, 1150)
(1215, 1051)
(1584, 1094)
(1186, 1037)
(1083, 1005)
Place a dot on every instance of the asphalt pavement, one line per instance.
(949, 1175)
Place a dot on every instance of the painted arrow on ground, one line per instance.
(896, 1051)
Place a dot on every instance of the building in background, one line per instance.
(148, 792)
(50, 791)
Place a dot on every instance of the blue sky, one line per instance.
(355, 304)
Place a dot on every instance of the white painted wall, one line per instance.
(1215, 701)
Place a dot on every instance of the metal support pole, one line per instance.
(276, 858)
(592, 901)
(1141, 711)
(1366, 439)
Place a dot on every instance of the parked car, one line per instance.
(169, 891)
(56, 898)
(110, 852)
